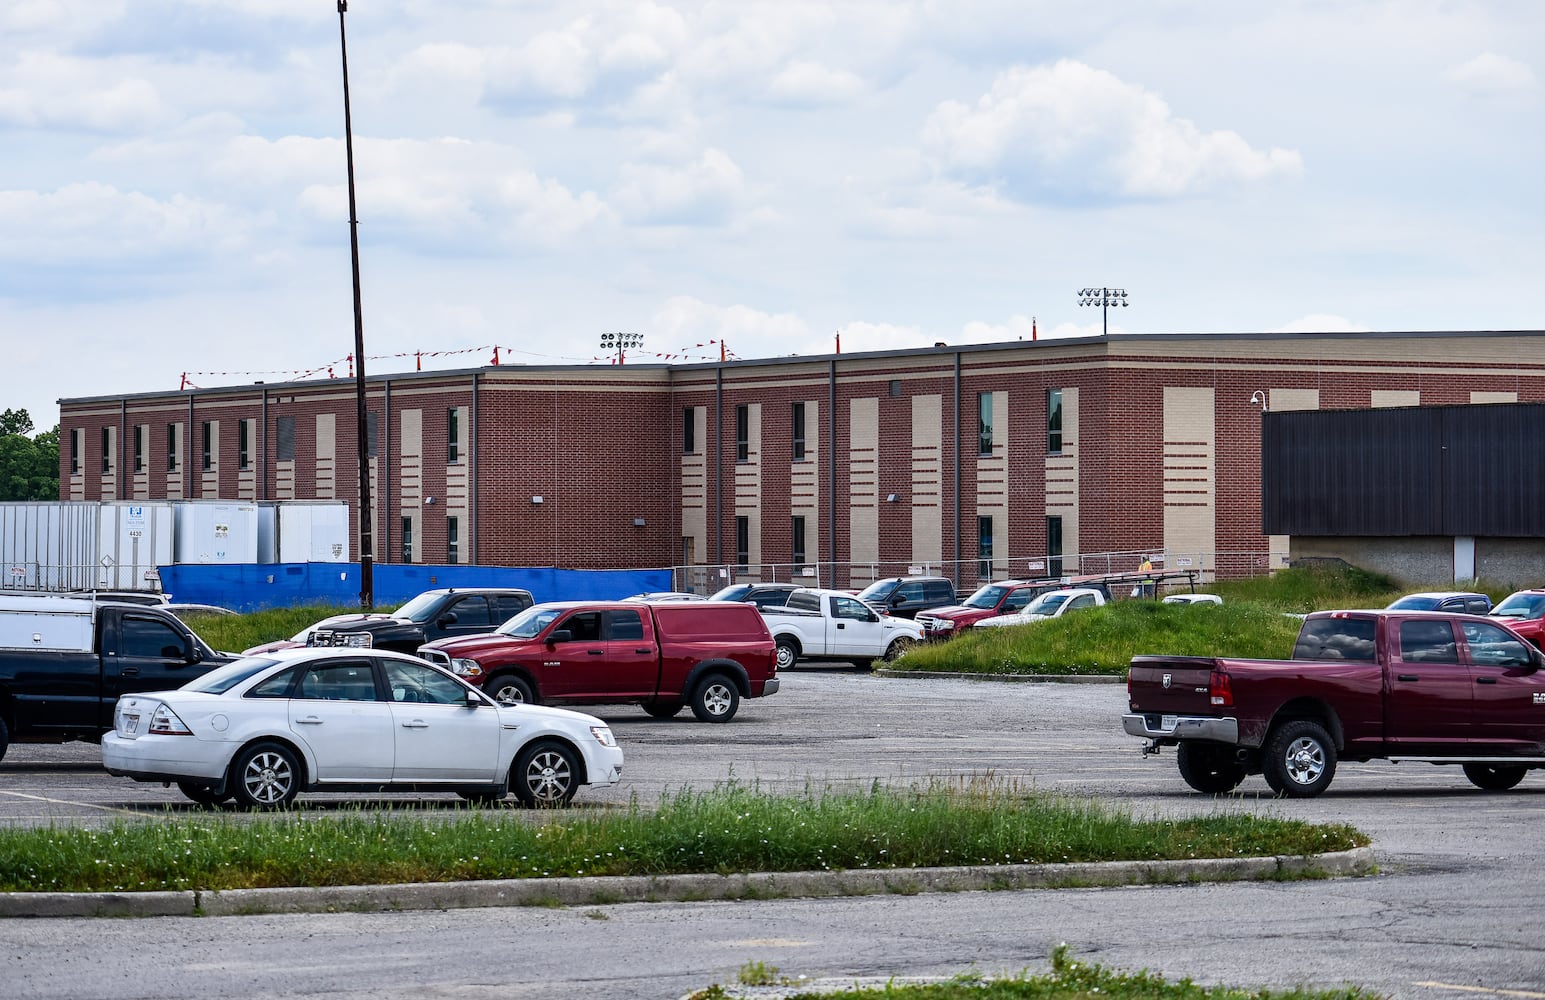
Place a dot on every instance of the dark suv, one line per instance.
(905, 596)
(763, 595)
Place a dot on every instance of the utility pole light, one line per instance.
(366, 535)
(620, 342)
(1104, 298)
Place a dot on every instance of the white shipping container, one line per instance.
(133, 540)
(61, 546)
(49, 623)
(215, 533)
(313, 532)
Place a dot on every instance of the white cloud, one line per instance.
(698, 325)
(706, 191)
(96, 222)
(1072, 131)
(44, 90)
(1321, 323)
(1490, 73)
(812, 85)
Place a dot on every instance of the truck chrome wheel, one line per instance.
(715, 699)
(1299, 759)
(787, 654)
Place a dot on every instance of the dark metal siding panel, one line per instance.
(1449, 471)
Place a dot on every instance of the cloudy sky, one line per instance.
(757, 176)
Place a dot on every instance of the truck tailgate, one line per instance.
(1170, 685)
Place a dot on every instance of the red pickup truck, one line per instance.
(1362, 685)
(709, 654)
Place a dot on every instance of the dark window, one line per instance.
(688, 431)
(984, 423)
(742, 433)
(1054, 421)
(415, 682)
(209, 445)
(585, 626)
(139, 447)
(984, 547)
(171, 447)
(277, 686)
(452, 540)
(335, 680)
(284, 445)
(1054, 546)
(471, 611)
(453, 435)
(798, 431)
(1335, 639)
(244, 444)
(798, 531)
(407, 539)
(507, 606)
(742, 541)
(1427, 642)
(151, 638)
(371, 423)
(895, 387)
(1491, 646)
(77, 437)
(625, 626)
(107, 449)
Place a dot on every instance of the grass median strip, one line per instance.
(731, 828)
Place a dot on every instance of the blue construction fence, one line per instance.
(253, 586)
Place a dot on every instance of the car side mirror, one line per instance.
(896, 600)
(562, 635)
(447, 619)
(474, 700)
(192, 653)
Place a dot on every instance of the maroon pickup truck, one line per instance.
(709, 654)
(1362, 685)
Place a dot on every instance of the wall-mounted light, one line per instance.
(429, 501)
(891, 498)
(638, 522)
(536, 499)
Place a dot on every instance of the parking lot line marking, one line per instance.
(1527, 994)
(67, 802)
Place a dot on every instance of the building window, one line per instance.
(984, 547)
(742, 433)
(1054, 546)
(797, 430)
(77, 445)
(407, 539)
(452, 435)
(688, 431)
(1054, 421)
(742, 542)
(799, 542)
(139, 447)
(895, 387)
(208, 431)
(984, 423)
(171, 447)
(372, 421)
(244, 444)
(107, 450)
(284, 439)
(452, 540)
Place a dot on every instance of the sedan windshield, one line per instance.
(222, 679)
(530, 622)
(735, 592)
(1046, 604)
(1521, 605)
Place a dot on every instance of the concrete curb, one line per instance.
(678, 888)
(1011, 678)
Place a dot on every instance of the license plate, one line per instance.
(130, 724)
(1167, 723)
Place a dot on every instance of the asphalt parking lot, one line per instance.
(1452, 912)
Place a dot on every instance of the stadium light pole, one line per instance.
(1104, 298)
(619, 342)
(366, 517)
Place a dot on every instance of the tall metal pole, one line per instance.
(1104, 298)
(366, 517)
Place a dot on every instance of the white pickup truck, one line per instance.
(1052, 604)
(834, 625)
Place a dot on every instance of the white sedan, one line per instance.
(264, 728)
(1052, 604)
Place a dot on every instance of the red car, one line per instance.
(663, 656)
(1524, 613)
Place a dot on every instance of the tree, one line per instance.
(29, 466)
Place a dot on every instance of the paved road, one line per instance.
(1455, 913)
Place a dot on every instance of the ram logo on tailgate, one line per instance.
(1168, 680)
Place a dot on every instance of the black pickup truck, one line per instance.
(64, 662)
(446, 613)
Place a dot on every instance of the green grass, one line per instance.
(1068, 979)
(1252, 622)
(233, 633)
(730, 828)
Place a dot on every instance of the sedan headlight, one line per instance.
(470, 669)
(603, 735)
